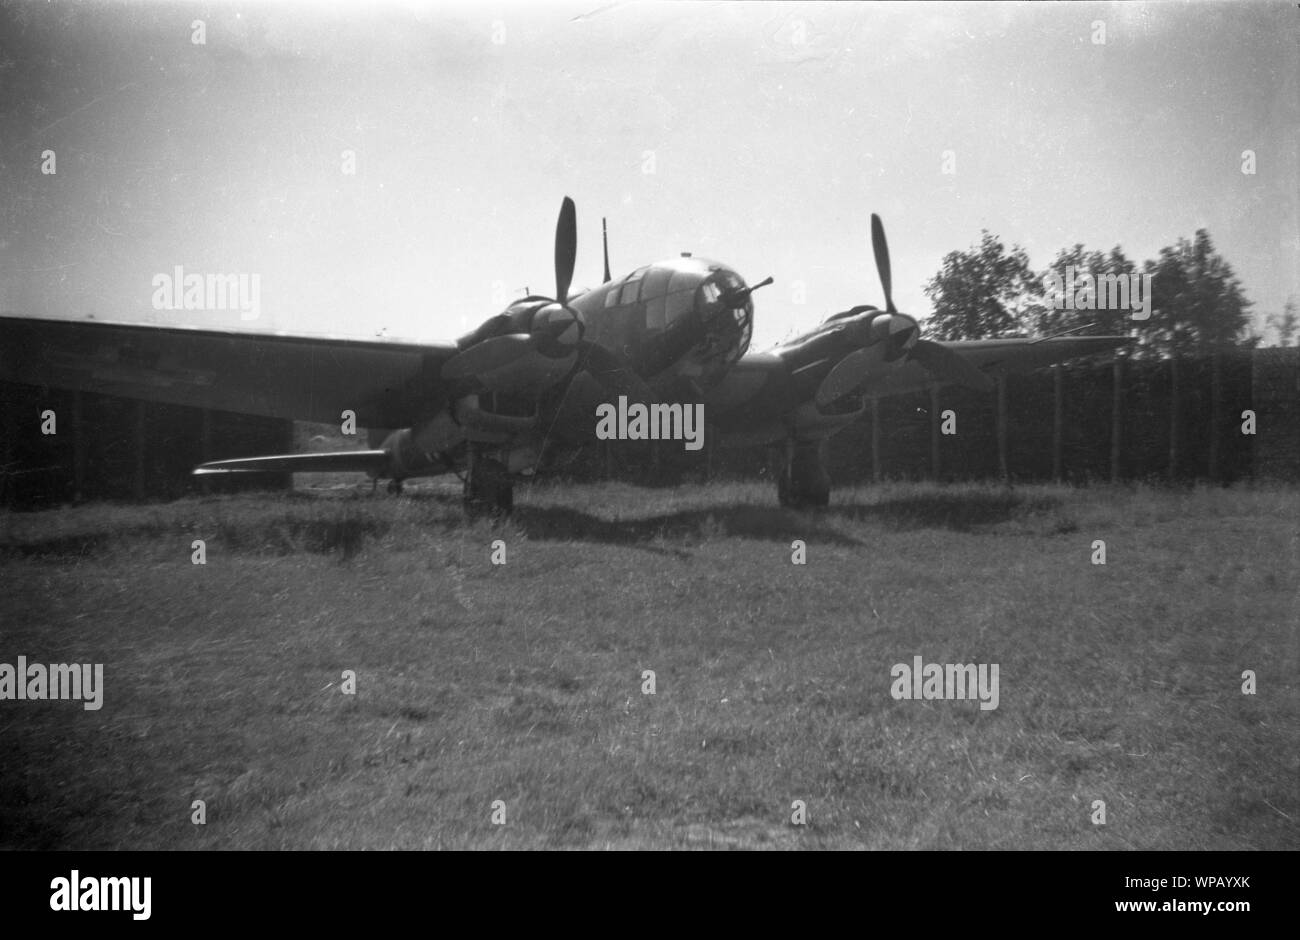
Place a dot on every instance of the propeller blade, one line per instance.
(881, 248)
(604, 237)
(566, 249)
(848, 374)
(948, 366)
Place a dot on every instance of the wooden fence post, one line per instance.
(1058, 422)
(78, 447)
(141, 448)
(934, 432)
(205, 447)
(1173, 416)
(1116, 419)
(708, 457)
(1001, 426)
(1216, 415)
(875, 440)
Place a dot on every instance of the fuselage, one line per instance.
(683, 319)
(679, 325)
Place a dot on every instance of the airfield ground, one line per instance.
(523, 682)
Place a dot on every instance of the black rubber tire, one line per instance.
(489, 490)
(804, 483)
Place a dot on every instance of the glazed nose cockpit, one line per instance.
(688, 313)
(727, 314)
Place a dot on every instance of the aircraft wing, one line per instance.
(296, 377)
(1024, 355)
(768, 396)
(991, 357)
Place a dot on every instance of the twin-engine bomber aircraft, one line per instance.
(523, 390)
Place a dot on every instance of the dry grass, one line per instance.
(522, 683)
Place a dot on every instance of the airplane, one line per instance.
(522, 390)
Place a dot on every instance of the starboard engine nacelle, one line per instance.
(535, 343)
(527, 349)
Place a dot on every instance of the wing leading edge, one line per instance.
(762, 398)
(991, 357)
(295, 377)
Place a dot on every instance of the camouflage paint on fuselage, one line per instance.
(674, 320)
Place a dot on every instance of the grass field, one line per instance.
(523, 682)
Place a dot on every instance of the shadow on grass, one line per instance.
(279, 534)
(290, 535)
(27, 791)
(959, 512)
(554, 523)
(259, 529)
(68, 546)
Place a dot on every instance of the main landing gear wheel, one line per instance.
(394, 487)
(488, 487)
(803, 482)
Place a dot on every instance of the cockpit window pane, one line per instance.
(632, 287)
(656, 281)
(745, 317)
(656, 313)
(678, 303)
(730, 280)
(683, 280)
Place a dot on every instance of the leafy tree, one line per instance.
(1197, 302)
(982, 292)
(1285, 324)
(1107, 318)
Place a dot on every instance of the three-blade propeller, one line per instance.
(940, 361)
(530, 350)
(538, 347)
(899, 332)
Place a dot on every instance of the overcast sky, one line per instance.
(759, 134)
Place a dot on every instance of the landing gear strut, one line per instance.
(802, 482)
(488, 486)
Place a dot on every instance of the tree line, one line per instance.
(1192, 303)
